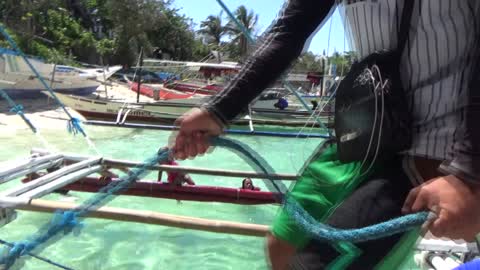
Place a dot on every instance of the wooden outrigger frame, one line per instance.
(27, 196)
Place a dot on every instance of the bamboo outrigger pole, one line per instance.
(142, 216)
(117, 163)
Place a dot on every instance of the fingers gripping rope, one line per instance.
(319, 230)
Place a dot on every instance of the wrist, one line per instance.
(212, 115)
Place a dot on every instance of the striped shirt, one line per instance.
(439, 68)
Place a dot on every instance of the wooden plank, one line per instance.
(117, 163)
(35, 168)
(60, 182)
(142, 216)
(27, 163)
(15, 191)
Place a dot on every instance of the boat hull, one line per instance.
(166, 112)
(36, 93)
(187, 193)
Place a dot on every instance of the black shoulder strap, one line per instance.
(405, 24)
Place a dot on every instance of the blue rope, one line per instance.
(18, 109)
(326, 233)
(316, 229)
(38, 257)
(74, 125)
(68, 221)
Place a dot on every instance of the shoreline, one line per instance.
(44, 113)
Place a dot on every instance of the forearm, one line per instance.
(465, 161)
(283, 43)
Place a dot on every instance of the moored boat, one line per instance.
(167, 111)
(17, 79)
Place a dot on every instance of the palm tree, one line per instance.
(249, 21)
(212, 29)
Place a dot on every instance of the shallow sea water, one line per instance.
(106, 244)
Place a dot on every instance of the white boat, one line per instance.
(166, 112)
(18, 80)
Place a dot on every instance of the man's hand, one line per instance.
(456, 204)
(196, 128)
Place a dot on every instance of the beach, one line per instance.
(45, 113)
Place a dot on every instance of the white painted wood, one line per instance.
(15, 191)
(60, 182)
(32, 169)
(27, 163)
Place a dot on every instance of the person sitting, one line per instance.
(281, 104)
(175, 178)
(247, 183)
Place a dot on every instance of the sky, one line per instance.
(267, 10)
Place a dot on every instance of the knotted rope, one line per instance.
(18, 109)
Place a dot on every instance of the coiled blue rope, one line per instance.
(73, 125)
(68, 221)
(316, 229)
(18, 109)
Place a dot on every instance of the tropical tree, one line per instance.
(95, 30)
(309, 62)
(249, 20)
(212, 29)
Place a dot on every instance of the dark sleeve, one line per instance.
(465, 163)
(279, 47)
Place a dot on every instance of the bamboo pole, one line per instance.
(117, 163)
(29, 170)
(60, 182)
(23, 164)
(142, 216)
(49, 177)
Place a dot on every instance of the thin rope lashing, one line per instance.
(74, 123)
(18, 109)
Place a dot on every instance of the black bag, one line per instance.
(372, 120)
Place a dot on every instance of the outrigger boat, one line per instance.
(73, 172)
(166, 112)
(17, 79)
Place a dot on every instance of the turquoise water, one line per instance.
(106, 244)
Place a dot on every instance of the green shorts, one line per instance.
(323, 185)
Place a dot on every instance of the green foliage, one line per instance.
(212, 29)
(309, 62)
(100, 31)
(249, 21)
